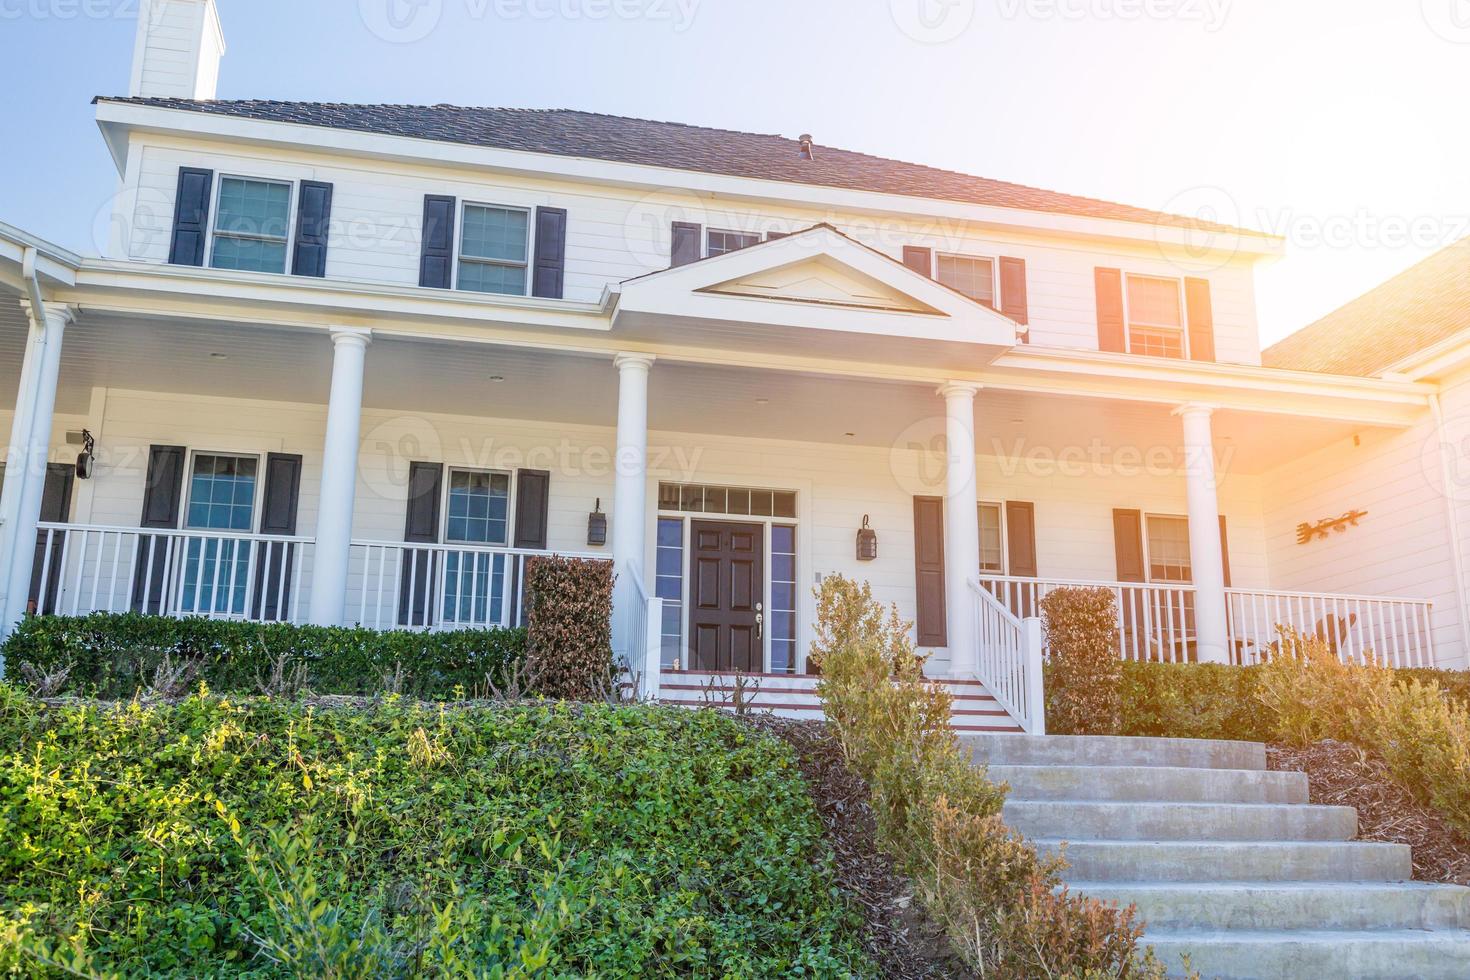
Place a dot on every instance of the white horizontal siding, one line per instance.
(614, 235)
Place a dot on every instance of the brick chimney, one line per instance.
(178, 50)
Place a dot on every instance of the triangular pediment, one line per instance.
(822, 279)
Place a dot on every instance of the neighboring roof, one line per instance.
(566, 132)
(1412, 311)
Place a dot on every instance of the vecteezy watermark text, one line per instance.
(409, 21)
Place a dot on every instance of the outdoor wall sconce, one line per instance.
(597, 527)
(87, 460)
(867, 542)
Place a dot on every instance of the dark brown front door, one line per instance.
(726, 583)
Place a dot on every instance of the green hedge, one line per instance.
(266, 838)
(1210, 700)
(115, 655)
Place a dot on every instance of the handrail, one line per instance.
(1009, 660)
(171, 532)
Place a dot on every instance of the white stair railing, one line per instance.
(1009, 660)
(645, 649)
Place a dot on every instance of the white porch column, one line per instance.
(630, 498)
(339, 479)
(1205, 559)
(961, 525)
(29, 452)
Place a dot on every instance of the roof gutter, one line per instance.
(33, 289)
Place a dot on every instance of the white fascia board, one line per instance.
(122, 285)
(649, 178)
(58, 264)
(1436, 360)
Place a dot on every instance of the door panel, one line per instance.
(727, 585)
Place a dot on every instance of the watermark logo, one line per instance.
(648, 228)
(933, 21)
(401, 21)
(1450, 19)
(1444, 459)
(1200, 232)
(1210, 14)
(69, 10)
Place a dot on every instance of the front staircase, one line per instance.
(1226, 861)
(976, 711)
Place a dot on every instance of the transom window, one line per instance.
(967, 274)
(252, 225)
(720, 242)
(479, 507)
(494, 245)
(992, 540)
(1155, 317)
(693, 498)
(1168, 550)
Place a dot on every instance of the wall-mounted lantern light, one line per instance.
(597, 527)
(867, 542)
(87, 460)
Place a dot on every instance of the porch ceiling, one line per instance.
(458, 379)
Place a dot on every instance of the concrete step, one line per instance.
(1079, 820)
(1212, 861)
(1292, 955)
(1288, 905)
(1123, 783)
(1069, 750)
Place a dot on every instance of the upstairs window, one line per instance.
(1168, 550)
(968, 274)
(252, 225)
(719, 242)
(1155, 317)
(493, 248)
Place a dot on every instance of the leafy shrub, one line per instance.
(1086, 671)
(569, 638)
(848, 614)
(261, 838)
(940, 818)
(119, 655)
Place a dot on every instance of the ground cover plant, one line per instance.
(390, 838)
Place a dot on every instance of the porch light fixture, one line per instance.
(87, 460)
(597, 527)
(867, 542)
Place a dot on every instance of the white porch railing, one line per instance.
(397, 585)
(1156, 622)
(1009, 660)
(1397, 632)
(645, 642)
(214, 574)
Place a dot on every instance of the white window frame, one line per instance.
(1148, 563)
(292, 202)
(709, 252)
(255, 503)
(510, 507)
(1184, 352)
(766, 522)
(1005, 542)
(994, 273)
(459, 246)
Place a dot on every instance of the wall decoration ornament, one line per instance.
(1322, 530)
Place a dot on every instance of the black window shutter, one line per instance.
(163, 492)
(436, 263)
(277, 561)
(933, 626)
(313, 220)
(1013, 300)
(421, 526)
(688, 242)
(55, 509)
(549, 277)
(1021, 538)
(771, 236)
(533, 499)
(1128, 545)
(921, 260)
(191, 216)
(1225, 550)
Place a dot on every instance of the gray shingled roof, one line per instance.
(1412, 311)
(565, 132)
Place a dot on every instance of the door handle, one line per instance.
(760, 619)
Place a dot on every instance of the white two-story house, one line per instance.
(351, 364)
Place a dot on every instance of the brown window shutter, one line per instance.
(1128, 545)
(1201, 313)
(1021, 538)
(921, 260)
(929, 571)
(1013, 289)
(1225, 550)
(1111, 331)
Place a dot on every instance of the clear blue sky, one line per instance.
(1338, 122)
